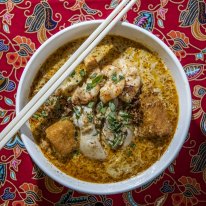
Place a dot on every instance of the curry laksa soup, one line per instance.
(113, 117)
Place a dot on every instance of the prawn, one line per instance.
(114, 84)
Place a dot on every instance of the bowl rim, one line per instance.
(131, 183)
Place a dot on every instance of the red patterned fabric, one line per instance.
(25, 25)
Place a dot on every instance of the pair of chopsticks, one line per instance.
(33, 105)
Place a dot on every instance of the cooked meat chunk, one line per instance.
(90, 145)
(91, 63)
(132, 84)
(129, 137)
(114, 84)
(135, 110)
(73, 81)
(157, 121)
(61, 136)
(69, 84)
(83, 94)
(90, 89)
(132, 79)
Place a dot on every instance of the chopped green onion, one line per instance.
(112, 106)
(82, 72)
(97, 79)
(97, 132)
(90, 105)
(69, 99)
(125, 117)
(114, 124)
(35, 116)
(73, 73)
(99, 106)
(89, 86)
(103, 110)
(132, 145)
(118, 140)
(93, 75)
(47, 102)
(112, 115)
(124, 114)
(94, 82)
(90, 117)
(77, 112)
(44, 114)
(121, 77)
(115, 79)
(129, 153)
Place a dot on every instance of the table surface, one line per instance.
(25, 25)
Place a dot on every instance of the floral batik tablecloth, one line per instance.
(25, 25)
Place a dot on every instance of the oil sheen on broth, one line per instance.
(113, 117)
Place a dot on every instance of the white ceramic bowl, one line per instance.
(131, 32)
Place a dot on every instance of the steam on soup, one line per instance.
(113, 117)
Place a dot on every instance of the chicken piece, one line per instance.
(107, 133)
(131, 88)
(91, 63)
(120, 63)
(108, 136)
(132, 80)
(83, 121)
(132, 85)
(84, 94)
(71, 82)
(90, 145)
(114, 85)
(129, 137)
(61, 136)
(157, 121)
